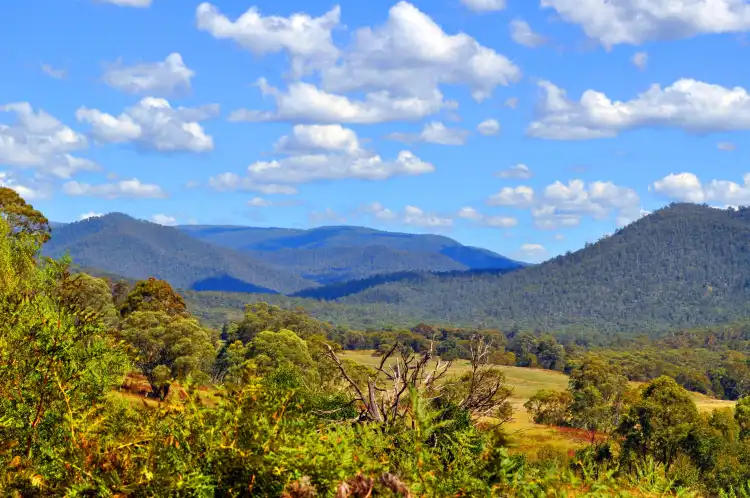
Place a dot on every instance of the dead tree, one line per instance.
(481, 391)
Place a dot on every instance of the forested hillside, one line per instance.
(119, 244)
(681, 266)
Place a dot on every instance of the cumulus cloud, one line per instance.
(410, 215)
(417, 217)
(470, 213)
(259, 202)
(28, 191)
(153, 123)
(380, 212)
(319, 138)
(532, 252)
(639, 60)
(489, 127)
(637, 21)
(38, 140)
(225, 182)
(434, 132)
(484, 5)
(156, 78)
(687, 104)
(687, 187)
(314, 167)
(307, 40)
(521, 33)
(410, 54)
(122, 189)
(306, 103)
(559, 205)
(164, 219)
(517, 172)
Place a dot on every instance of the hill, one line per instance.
(340, 253)
(682, 266)
(136, 249)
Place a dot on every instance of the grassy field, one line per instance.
(527, 436)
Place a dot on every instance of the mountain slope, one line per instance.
(339, 253)
(119, 244)
(684, 265)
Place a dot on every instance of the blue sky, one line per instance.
(527, 127)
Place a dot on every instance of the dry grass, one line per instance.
(527, 436)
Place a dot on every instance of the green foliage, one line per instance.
(598, 395)
(550, 407)
(659, 423)
(21, 217)
(154, 295)
(168, 347)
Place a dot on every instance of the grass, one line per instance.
(525, 435)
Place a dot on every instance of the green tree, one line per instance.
(86, 293)
(53, 367)
(659, 423)
(282, 349)
(550, 407)
(742, 415)
(598, 392)
(154, 295)
(168, 348)
(21, 217)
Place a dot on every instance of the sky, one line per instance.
(528, 127)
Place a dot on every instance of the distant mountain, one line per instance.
(684, 265)
(119, 244)
(341, 253)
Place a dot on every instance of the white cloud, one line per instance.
(639, 60)
(532, 252)
(434, 132)
(315, 167)
(521, 33)
(520, 197)
(417, 217)
(129, 3)
(637, 21)
(26, 191)
(155, 124)
(517, 172)
(560, 205)
(304, 102)
(687, 187)
(484, 5)
(469, 213)
(380, 212)
(559, 236)
(726, 146)
(122, 189)
(687, 104)
(90, 214)
(163, 219)
(259, 202)
(489, 127)
(411, 55)
(411, 215)
(306, 39)
(37, 140)
(319, 138)
(225, 182)
(512, 102)
(58, 74)
(157, 78)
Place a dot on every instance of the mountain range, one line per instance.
(264, 260)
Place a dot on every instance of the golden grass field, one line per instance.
(527, 436)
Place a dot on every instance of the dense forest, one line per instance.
(685, 265)
(111, 387)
